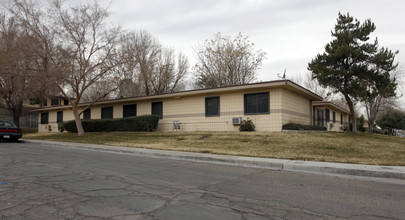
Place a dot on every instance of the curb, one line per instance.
(391, 172)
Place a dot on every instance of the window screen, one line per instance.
(334, 117)
(212, 106)
(129, 110)
(157, 109)
(87, 114)
(44, 118)
(59, 116)
(107, 112)
(327, 115)
(257, 103)
(54, 102)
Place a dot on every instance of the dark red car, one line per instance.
(8, 131)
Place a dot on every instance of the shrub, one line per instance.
(138, 123)
(360, 126)
(61, 128)
(247, 125)
(292, 126)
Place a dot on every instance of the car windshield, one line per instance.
(7, 124)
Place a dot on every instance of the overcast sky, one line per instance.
(292, 32)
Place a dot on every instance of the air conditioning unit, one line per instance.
(236, 120)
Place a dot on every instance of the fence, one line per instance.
(27, 121)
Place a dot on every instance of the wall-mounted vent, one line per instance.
(236, 120)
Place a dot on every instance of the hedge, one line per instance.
(138, 123)
(292, 126)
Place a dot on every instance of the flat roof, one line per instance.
(226, 89)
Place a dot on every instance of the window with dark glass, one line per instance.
(327, 115)
(65, 102)
(334, 117)
(34, 101)
(54, 102)
(256, 103)
(129, 110)
(87, 114)
(157, 109)
(44, 118)
(107, 112)
(341, 118)
(59, 116)
(45, 103)
(212, 106)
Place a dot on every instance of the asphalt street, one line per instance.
(38, 181)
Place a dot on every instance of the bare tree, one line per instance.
(15, 64)
(150, 66)
(169, 76)
(45, 67)
(19, 63)
(88, 51)
(313, 85)
(380, 100)
(223, 61)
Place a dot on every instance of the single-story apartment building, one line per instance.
(269, 105)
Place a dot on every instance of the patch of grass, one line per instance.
(342, 147)
(205, 136)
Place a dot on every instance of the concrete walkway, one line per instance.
(392, 172)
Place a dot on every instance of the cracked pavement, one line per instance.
(42, 182)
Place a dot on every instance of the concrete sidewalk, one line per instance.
(393, 172)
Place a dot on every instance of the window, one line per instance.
(341, 118)
(257, 103)
(54, 102)
(212, 106)
(7, 124)
(65, 102)
(107, 112)
(157, 109)
(334, 117)
(45, 103)
(59, 116)
(87, 114)
(129, 110)
(320, 114)
(44, 118)
(327, 115)
(35, 101)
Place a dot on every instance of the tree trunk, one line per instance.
(352, 113)
(79, 126)
(16, 112)
(370, 127)
(16, 120)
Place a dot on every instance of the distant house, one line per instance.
(46, 102)
(28, 118)
(268, 104)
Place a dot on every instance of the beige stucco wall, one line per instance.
(190, 112)
(285, 107)
(295, 108)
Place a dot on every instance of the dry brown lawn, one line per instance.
(313, 146)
